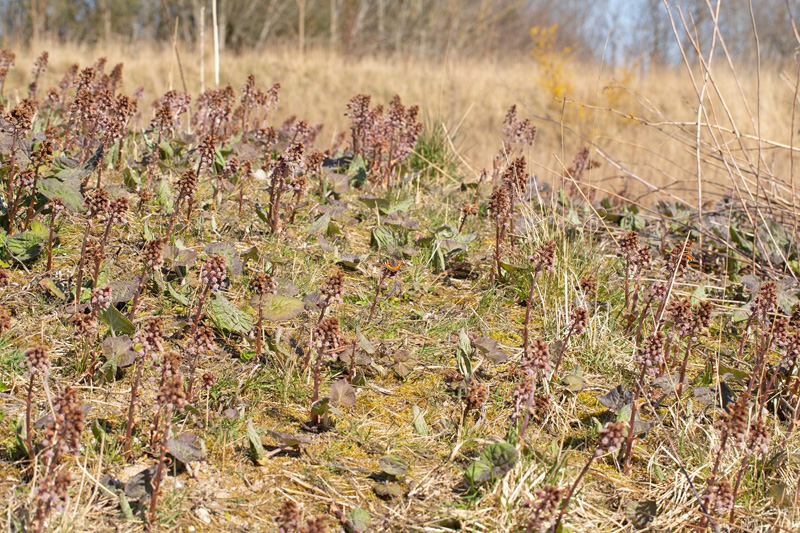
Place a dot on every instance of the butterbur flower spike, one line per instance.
(476, 396)
(37, 359)
(263, 283)
(101, 298)
(542, 258)
(611, 437)
(650, 355)
(327, 335)
(543, 508)
(213, 272)
(331, 290)
(171, 394)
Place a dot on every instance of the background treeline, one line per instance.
(621, 31)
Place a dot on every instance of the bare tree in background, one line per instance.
(616, 30)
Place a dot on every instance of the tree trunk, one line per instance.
(301, 25)
(37, 13)
(381, 24)
(105, 9)
(223, 24)
(334, 43)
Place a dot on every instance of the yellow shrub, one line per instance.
(552, 62)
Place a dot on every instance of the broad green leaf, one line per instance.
(319, 225)
(351, 261)
(641, 514)
(289, 440)
(574, 383)
(257, 452)
(320, 407)
(52, 288)
(489, 347)
(98, 432)
(279, 308)
(464, 351)
(262, 213)
(178, 297)
(342, 394)
(66, 188)
(116, 320)
(119, 353)
(25, 246)
(229, 318)
(364, 343)
(388, 490)
(418, 421)
(383, 237)
(393, 465)
(360, 519)
(164, 195)
(495, 461)
(699, 294)
(187, 448)
(357, 171)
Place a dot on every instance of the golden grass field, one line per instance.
(644, 121)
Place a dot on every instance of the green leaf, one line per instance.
(495, 461)
(119, 353)
(360, 519)
(699, 294)
(98, 432)
(438, 260)
(351, 261)
(640, 427)
(357, 170)
(418, 421)
(187, 448)
(164, 195)
(641, 514)
(402, 205)
(229, 318)
(388, 491)
(781, 494)
(131, 179)
(393, 465)
(250, 255)
(510, 268)
(364, 343)
(257, 452)
(179, 257)
(739, 375)
(25, 246)
(744, 242)
(383, 237)
(342, 394)
(52, 288)
(67, 188)
(321, 407)
(279, 308)
(178, 297)
(573, 382)
(262, 213)
(289, 440)
(116, 320)
(464, 351)
(319, 225)
(489, 347)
